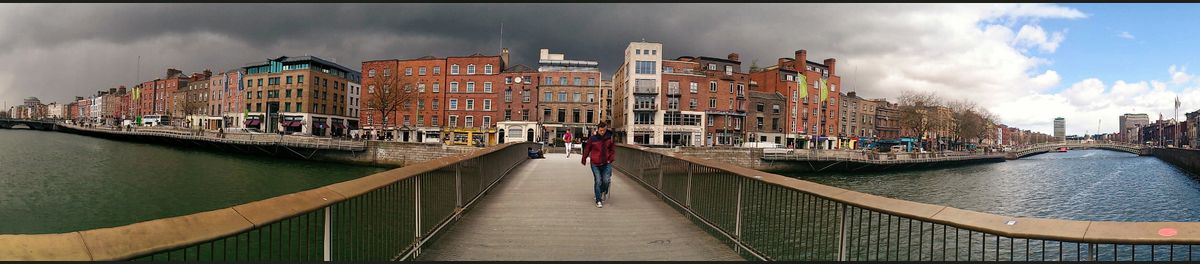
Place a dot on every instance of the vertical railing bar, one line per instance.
(687, 201)
(843, 252)
(417, 213)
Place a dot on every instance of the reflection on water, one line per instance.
(1079, 185)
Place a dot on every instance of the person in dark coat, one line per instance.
(599, 149)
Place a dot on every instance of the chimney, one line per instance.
(173, 72)
(112, 90)
(207, 73)
(801, 59)
(782, 62)
(733, 56)
(121, 90)
(504, 58)
(850, 94)
(831, 63)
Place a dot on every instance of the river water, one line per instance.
(54, 182)
(1077, 185)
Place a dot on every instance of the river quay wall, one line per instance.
(371, 153)
(1186, 159)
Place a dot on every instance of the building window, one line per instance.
(469, 121)
(591, 97)
(433, 121)
(728, 69)
(693, 87)
(454, 69)
(289, 80)
(452, 121)
(470, 69)
(712, 86)
(576, 97)
(470, 87)
(436, 87)
(575, 115)
(577, 81)
(487, 121)
(487, 87)
(712, 102)
(434, 104)
(453, 87)
(546, 114)
(549, 97)
(421, 71)
(525, 96)
(437, 70)
(371, 73)
(524, 115)
(645, 67)
(774, 109)
(692, 103)
(487, 69)
(387, 72)
(487, 104)
(712, 67)
(453, 104)
(591, 82)
(759, 107)
(643, 118)
(562, 80)
(549, 80)
(470, 104)
(562, 96)
(507, 96)
(408, 71)
(673, 103)
(421, 87)
(562, 115)
(300, 79)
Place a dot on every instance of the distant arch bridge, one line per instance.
(1035, 149)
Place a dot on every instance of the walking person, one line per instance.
(599, 148)
(567, 142)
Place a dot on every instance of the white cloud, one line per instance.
(1179, 75)
(1035, 36)
(1125, 35)
(1090, 105)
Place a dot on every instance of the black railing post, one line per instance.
(842, 238)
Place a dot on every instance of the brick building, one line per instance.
(857, 119)
(225, 94)
(520, 105)
(568, 94)
(810, 122)
(300, 95)
(766, 117)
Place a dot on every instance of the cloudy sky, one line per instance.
(1028, 63)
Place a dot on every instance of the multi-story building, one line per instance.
(83, 106)
(56, 110)
(811, 122)
(1060, 128)
(887, 120)
(1128, 122)
(569, 99)
(191, 100)
(639, 97)
(606, 101)
(113, 106)
(300, 95)
(857, 119)
(353, 95)
(156, 97)
(96, 114)
(520, 105)
(471, 94)
(724, 102)
(232, 98)
(766, 116)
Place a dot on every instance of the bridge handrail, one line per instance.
(402, 207)
(734, 202)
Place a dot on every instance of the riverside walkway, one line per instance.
(545, 210)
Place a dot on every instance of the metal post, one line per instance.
(660, 173)
(687, 200)
(842, 242)
(327, 251)
(737, 227)
(458, 200)
(417, 220)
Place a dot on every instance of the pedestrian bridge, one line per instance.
(31, 124)
(1048, 147)
(495, 204)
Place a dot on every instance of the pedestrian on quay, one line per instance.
(567, 142)
(599, 148)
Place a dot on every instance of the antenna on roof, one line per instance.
(501, 34)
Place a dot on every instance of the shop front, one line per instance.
(291, 124)
(254, 122)
(320, 126)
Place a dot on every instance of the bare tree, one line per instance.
(389, 93)
(915, 112)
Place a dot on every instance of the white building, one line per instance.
(56, 110)
(638, 116)
(353, 94)
(96, 114)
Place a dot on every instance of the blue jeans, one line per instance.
(603, 176)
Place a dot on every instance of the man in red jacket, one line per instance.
(599, 148)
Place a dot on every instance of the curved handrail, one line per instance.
(127, 241)
(1023, 227)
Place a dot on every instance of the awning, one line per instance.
(320, 125)
(338, 125)
(253, 122)
(293, 124)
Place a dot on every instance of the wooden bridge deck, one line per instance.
(544, 210)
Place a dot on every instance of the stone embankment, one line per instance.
(1186, 159)
(375, 153)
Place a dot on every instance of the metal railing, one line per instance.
(771, 217)
(236, 138)
(384, 216)
(1026, 150)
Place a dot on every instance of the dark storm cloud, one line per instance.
(58, 51)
